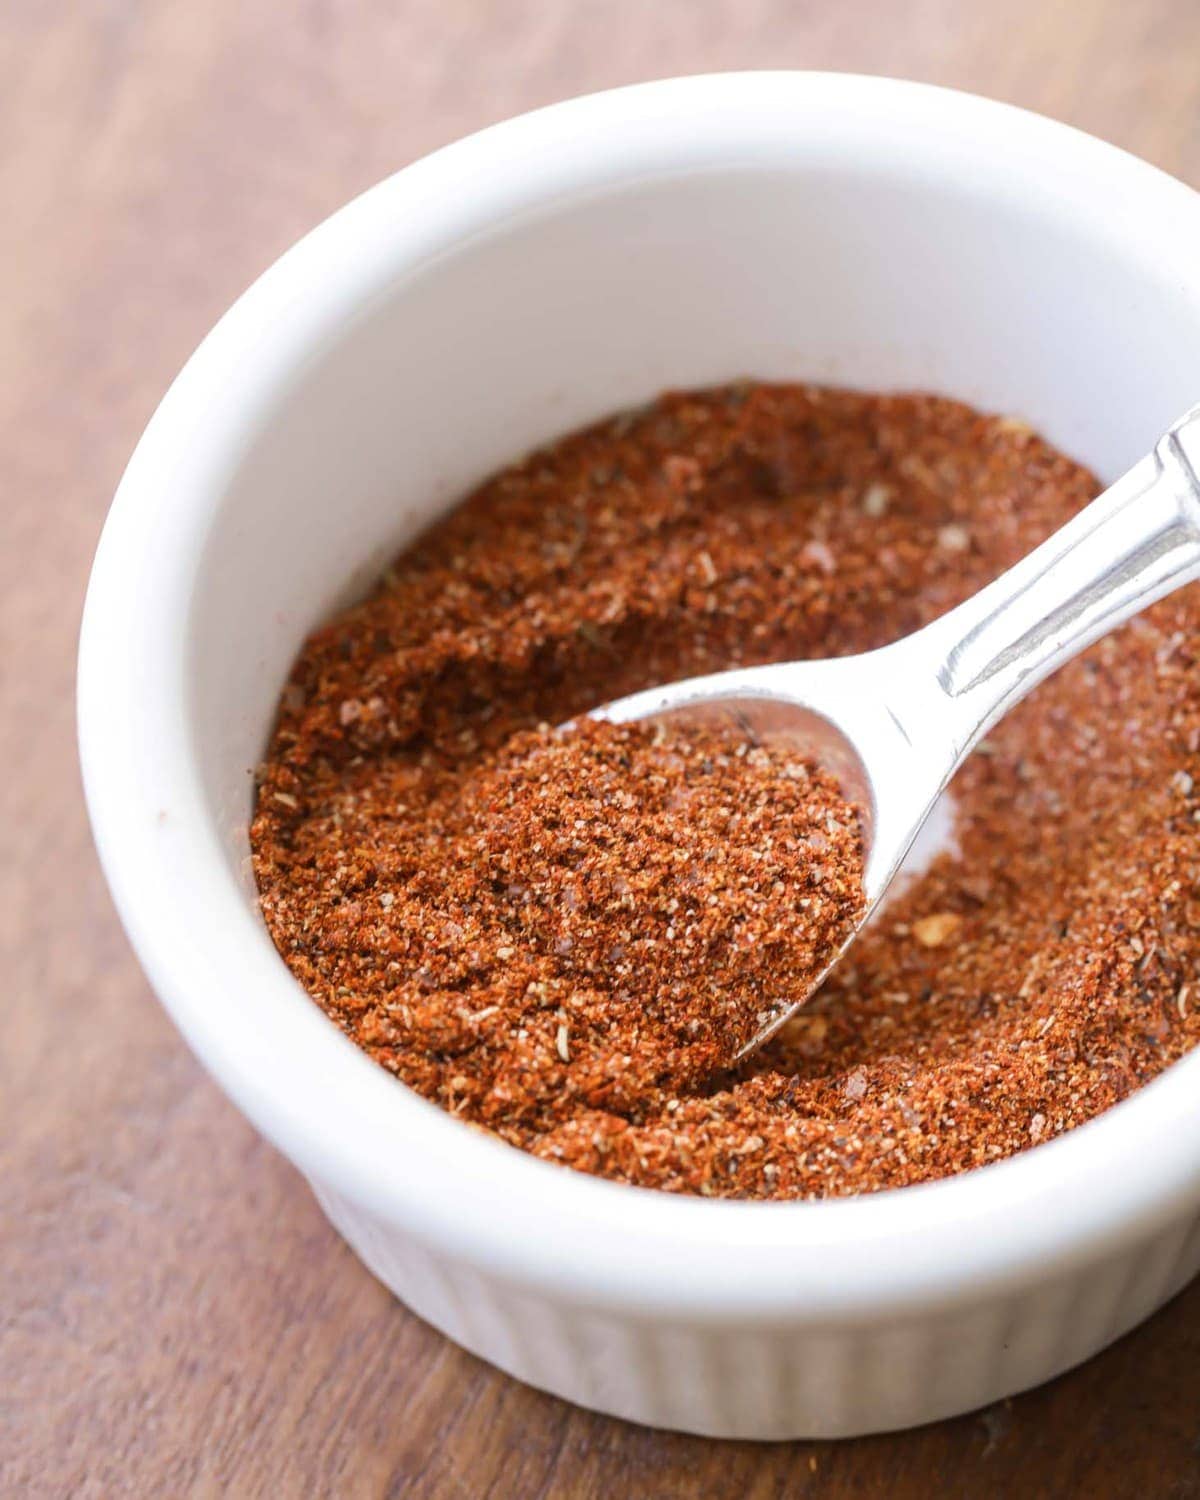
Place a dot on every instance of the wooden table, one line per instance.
(175, 1315)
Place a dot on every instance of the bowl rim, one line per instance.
(340, 1118)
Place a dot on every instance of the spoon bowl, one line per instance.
(834, 713)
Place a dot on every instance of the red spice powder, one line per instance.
(1037, 973)
(598, 914)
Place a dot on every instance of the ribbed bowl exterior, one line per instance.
(792, 1379)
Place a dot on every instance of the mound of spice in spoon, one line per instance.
(602, 911)
(621, 907)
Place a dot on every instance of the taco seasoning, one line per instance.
(599, 913)
(567, 937)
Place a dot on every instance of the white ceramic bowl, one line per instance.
(531, 278)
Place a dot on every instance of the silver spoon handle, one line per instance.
(1135, 543)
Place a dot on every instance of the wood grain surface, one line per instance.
(175, 1316)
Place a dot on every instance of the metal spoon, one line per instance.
(894, 725)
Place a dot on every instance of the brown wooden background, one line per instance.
(175, 1316)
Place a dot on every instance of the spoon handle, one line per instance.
(1135, 543)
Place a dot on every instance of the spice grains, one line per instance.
(1034, 975)
(607, 911)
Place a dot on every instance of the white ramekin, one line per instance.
(537, 275)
